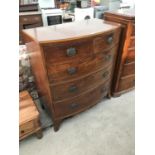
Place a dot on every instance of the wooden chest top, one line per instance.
(70, 31)
(128, 14)
(27, 108)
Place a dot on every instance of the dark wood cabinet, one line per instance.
(124, 76)
(28, 20)
(73, 64)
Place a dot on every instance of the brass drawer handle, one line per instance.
(108, 57)
(72, 89)
(71, 51)
(105, 74)
(73, 106)
(71, 70)
(110, 39)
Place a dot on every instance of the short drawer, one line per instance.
(132, 42)
(75, 69)
(76, 87)
(26, 128)
(78, 104)
(104, 42)
(127, 83)
(30, 19)
(131, 55)
(68, 52)
(128, 69)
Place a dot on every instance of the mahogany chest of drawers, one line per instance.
(29, 122)
(73, 64)
(124, 76)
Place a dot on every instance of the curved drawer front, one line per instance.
(73, 70)
(69, 51)
(76, 87)
(78, 104)
(104, 42)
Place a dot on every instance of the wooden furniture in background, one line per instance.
(124, 76)
(29, 20)
(29, 122)
(73, 64)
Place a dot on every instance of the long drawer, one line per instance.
(127, 83)
(78, 104)
(68, 52)
(75, 69)
(76, 87)
(128, 69)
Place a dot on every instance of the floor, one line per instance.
(105, 129)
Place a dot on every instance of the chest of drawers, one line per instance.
(124, 76)
(73, 64)
(28, 20)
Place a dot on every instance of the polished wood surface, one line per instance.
(125, 63)
(70, 31)
(28, 116)
(74, 66)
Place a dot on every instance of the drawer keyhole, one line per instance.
(73, 106)
(22, 132)
(72, 89)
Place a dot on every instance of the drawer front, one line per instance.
(133, 30)
(30, 19)
(26, 128)
(68, 52)
(57, 73)
(131, 55)
(70, 107)
(132, 42)
(106, 41)
(128, 69)
(76, 87)
(127, 83)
